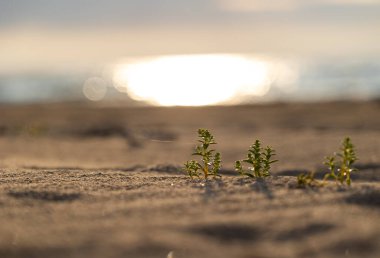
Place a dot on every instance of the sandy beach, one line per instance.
(86, 180)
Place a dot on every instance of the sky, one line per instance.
(77, 34)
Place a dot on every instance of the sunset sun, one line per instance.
(192, 80)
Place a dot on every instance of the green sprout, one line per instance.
(210, 160)
(259, 160)
(341, 171)
(307, 180)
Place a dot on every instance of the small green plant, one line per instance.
(210, 160)
(307, 180)
(341, 170)
(259, 160)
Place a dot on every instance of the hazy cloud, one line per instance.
(129, 13)
(257, 5)
(102, 12)
(286, 5)
(87, 32)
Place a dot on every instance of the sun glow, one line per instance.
(193, 80)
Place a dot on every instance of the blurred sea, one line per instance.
(324, 80)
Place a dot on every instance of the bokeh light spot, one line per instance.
(95, 88)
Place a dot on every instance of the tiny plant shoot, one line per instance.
(341, 170)
(259, 161)
(210, 160)
(307, 180)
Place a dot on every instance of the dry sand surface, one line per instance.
(95, 181)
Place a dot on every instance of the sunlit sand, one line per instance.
(93, 181)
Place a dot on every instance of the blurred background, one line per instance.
(190, 53)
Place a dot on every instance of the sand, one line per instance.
(81, 180)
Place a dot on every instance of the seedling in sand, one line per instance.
(341, 170)
(210, 160)
(307, 180)
(259, 160)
